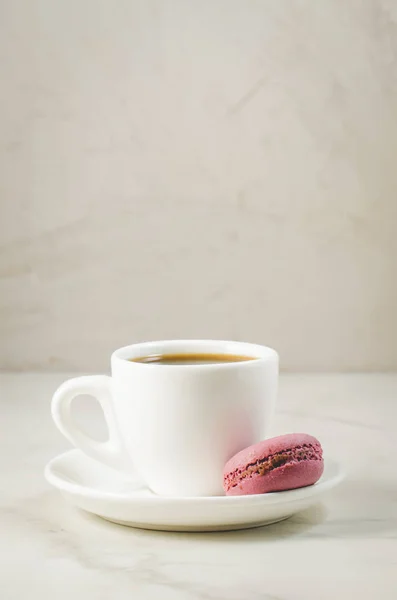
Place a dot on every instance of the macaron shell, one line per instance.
(282, 463)
(287, 477)
(269, 447)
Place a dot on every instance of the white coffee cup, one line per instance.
(176, 425)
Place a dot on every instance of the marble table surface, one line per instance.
(345, 548)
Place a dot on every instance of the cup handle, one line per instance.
(111, 452)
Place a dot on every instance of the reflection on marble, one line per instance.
(346, 548)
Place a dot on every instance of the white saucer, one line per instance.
(104, 492)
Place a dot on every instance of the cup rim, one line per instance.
(259, 352)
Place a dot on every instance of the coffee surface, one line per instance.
(198, 358)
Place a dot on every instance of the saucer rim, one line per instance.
(283, 497)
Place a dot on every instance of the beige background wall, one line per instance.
(198, 168)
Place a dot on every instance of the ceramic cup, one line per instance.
(176, 425)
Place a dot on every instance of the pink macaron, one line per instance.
(281, 463)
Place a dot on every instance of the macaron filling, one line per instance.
(304, 452)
